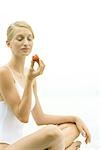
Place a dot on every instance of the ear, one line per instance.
(8, 43)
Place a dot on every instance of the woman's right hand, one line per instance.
(32, 73)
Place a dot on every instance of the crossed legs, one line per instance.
(51, 137)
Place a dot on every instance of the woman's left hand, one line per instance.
(83, 130)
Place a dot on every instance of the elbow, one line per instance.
(39, 121)
(23, 119)
(22, 116)
(39, 118)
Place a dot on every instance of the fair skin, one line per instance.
(61, 131)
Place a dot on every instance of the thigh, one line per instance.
(3, 146)
(38, 140)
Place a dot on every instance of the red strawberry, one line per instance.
(35, 58)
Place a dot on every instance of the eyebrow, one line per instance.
(23, 35)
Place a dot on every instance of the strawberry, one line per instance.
(35, 58)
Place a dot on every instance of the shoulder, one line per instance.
(5, 74)
(4, 71)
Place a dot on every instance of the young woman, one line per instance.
(16, 89)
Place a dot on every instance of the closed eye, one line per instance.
(20, 38)
(30, 38)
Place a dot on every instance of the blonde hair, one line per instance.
(11, 28)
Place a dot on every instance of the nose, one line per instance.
(25, 43)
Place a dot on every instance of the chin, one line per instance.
(26, 53)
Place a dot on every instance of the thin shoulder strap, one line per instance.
(11, 73)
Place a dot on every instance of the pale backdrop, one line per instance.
(67, 38)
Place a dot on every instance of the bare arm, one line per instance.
(20, 106)
(42, 119)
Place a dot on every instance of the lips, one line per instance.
(25, 49)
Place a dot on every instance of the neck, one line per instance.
(17, 64)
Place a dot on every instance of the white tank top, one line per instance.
(11, 129)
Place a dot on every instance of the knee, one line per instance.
(54, 133)
(74, 130)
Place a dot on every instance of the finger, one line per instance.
(32, 64)
(41, 68)
(79, 128)
(37, 72)
(83, 133)
(40, 71)
(88, 139)
(87, 133)
(42, 62)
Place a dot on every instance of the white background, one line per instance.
(67, 38)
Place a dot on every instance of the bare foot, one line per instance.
(74, 146)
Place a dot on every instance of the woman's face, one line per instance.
(21, 42)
